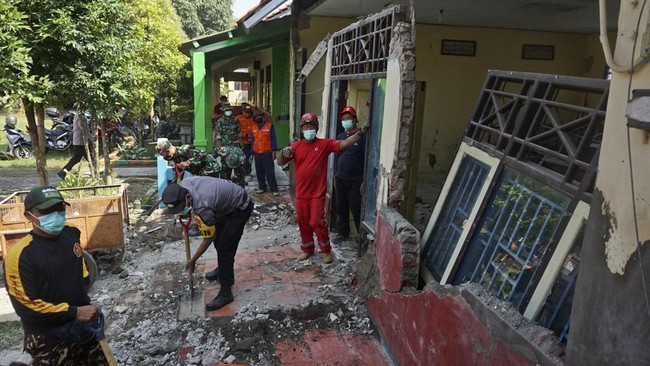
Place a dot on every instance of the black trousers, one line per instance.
(348, 199)
(265, 171)
(226, 242)
(78, 153)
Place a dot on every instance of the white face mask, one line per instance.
(309, 134)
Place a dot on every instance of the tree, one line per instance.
(216, 16)
(203, 17)
(96, 54)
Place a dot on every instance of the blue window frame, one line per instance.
(509, 245)
(468, 182)
(373, 151)
(556, 312)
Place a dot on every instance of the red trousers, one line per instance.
(311, 220)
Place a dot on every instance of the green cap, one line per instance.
(43, 198)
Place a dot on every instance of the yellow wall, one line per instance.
(454, 82)
(318, 29)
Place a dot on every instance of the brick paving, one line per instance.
(12, 179)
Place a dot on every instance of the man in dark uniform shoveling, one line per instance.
(222, 209)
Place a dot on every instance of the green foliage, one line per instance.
(203, 17)
(77, 180)
(94, 187)
(216, 16)
(16, 78)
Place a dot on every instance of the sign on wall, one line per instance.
(458, 48)
(538, 52)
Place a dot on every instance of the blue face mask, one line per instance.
(51, 223)
(228, 113)
(347, 124)
(309, 134)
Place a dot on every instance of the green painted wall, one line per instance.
(280, 93)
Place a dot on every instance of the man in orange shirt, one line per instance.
(245, 119)
(264, 146)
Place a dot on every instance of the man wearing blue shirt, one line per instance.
(349, 176)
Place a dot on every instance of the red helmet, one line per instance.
(309, 118)
(350, 110)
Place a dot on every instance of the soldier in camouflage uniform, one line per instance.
(228, 130)
(229, 136)
(232, 159)
(187, 158)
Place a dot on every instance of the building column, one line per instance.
(280, 93)
(202, 92)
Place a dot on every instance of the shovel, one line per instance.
(187, 309)
(98, 328)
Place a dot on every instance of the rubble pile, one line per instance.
(271, 216)
(140, 296)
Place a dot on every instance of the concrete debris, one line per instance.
(140, 296)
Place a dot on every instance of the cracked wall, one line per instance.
(610, 317)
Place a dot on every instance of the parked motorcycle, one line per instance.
(20, 144)
(59, 138)
(66, 120)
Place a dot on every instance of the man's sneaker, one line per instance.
(276, 193)
(212, 275)
(260, 191)
(327, 257)
(304, 255)
(223, 298)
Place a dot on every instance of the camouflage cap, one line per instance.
(225, 106)
(162, 144)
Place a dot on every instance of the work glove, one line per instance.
(364, 129)
(287, 152)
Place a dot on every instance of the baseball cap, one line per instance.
(247, 107)
(42, 198)
(174, 198)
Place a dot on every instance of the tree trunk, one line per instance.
(37, 133)
(105, 148)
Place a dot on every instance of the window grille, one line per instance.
(556, 312)
(513, 237)
(449, 227)
(361, 49)
(549, 125)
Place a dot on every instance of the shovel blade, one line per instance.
(191, 305)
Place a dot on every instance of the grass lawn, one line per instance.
(55, 159)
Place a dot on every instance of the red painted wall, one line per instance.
(389, 257)
(424, 329)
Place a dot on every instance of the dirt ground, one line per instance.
(141, 306)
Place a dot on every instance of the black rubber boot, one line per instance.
(212, 275)
(223, 298)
